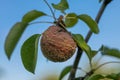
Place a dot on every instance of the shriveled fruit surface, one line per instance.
(57, 45)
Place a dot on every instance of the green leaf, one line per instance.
(82, 44)
(90, 22)
(93, 53)
(110, 51)
(65, 71)
(29, 52)
(13, 37)
(113, 76)
(71, 19)
(32, 15)
(62, 5)
(95, 77)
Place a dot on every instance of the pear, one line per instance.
(57, 45)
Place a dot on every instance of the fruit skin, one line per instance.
(57, 45)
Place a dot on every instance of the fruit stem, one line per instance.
(79, 52)
(60, 23)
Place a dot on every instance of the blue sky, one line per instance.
(11, 11)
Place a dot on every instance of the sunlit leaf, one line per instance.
(71, 19)
(65, 71)
(29, 52)
(90, 22)
(95, 77)
(82, 44)
(110, 51)
(62, 5)
(13, 37)
(32, 15)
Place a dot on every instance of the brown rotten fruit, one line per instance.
(57, 45)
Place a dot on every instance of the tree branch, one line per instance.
(79, 53)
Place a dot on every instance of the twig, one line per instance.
(79, 53)
(97, 19)
(105, 64)
(82, 70)
(75, 64)
(50, 10)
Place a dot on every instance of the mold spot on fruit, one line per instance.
(57, 45)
